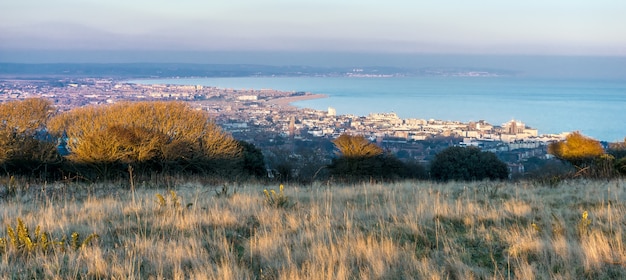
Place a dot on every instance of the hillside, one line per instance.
(185, 228)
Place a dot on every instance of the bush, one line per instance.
(21, 243)
(253, 160)
(277, 200)
(25, 148)
(579, 150)
(381, 167)
(589, 157)
(415, 170)
(539, 167)
(356, 147)
(152, 136)
(359, 160)
(356, 168)
(467, 164)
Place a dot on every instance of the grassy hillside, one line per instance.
(404, 230)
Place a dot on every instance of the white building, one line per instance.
(513, 127)
(248, 98)
(332, 112)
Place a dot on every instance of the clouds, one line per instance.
(486, 26)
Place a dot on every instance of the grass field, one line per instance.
(405, 230)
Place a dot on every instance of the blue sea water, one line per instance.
(595, 107)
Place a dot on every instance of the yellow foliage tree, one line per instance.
(359, 159)
(20, 121)
(356, 146)
(25, 117)
(577, 149)
(143, 131)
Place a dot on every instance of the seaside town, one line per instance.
(265, 118)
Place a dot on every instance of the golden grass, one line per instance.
(406, 230)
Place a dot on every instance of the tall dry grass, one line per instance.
(407, 230)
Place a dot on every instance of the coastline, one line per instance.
(453, 98)
(286, 101)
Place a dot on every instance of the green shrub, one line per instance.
(383, 167)
(253, 160)
(467, 164)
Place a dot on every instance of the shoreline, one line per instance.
(286, 101)
(542, 120)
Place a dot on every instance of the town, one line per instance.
(265, 118)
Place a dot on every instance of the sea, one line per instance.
(595, 107)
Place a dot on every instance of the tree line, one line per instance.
(584, 157)
(107, 141)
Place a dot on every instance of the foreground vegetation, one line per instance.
(410, 230)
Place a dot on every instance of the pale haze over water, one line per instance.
(594, 107)
(574, 27)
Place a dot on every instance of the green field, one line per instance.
(404, 230)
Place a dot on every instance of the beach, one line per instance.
(286, 101)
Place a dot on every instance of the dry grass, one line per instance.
(407, 230)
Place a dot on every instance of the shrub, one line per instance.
(356, 147)
(359, 159)
(383, 167)
(579, 150)
(253, 160)
(414, 170)
(20, 242)
(467, 164)
(172, 204)
(24, 145)
(542, 169)
(302, 165)
(169, 136)
(278, 200)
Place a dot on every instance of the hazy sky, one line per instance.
(572, 27)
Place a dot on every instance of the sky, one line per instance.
(483, 27)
